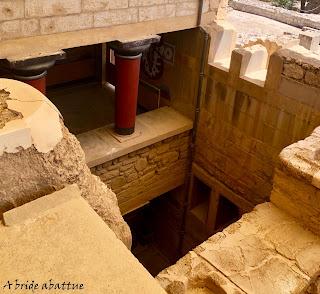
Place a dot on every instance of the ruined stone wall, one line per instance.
(273, 249)
(244, 124)
(267, 251)
(100, 21)
(297, 181)
(33, 164)
(147, 173)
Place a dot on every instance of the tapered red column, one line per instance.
(127, 61)
(127, 85)
(33, 70)
(38, 82)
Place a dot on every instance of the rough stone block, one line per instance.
(266, 251)
(156, 12)
(12, 9)
(36, 8)
(115, 17)
(68, 23)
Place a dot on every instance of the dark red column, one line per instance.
(127, 86)
(37, 82)
(127, 64)
(33, 70)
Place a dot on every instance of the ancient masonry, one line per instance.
(55, 25)
(257, 142)
(25, 18)
(252, 111)
(267, 251)
(143, 174)
(25, 146)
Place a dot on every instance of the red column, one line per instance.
(127, 86)
(33, 70)
(38, 83)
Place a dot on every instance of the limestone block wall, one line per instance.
(99, 20)
(249, 116)
(147, 173)
(297, 181)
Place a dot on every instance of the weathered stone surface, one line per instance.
(148, 172)
(293, 70)
(33, 164)
(296, 183)
(47, 172)
(141, 164)
(314, 285)
(58, 231)
(193, 274)
(6, 114)
(266, 251)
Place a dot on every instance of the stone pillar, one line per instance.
(33, 70)
(128, 57)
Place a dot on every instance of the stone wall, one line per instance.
(245, 124)
(100, 21)
(297, 181)
(147, 173)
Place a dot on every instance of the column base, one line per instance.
(124, 131)
(127, 62)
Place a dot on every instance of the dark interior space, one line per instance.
(227, 213)
(76, 86)
(200, 200)
(156, 231)
(84, 105)
(145, 247)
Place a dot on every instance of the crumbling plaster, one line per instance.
(41, 156)
(25, 130)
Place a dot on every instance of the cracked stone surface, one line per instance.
(297, 181)
(6, 114)
(193, 274)
(266, 251)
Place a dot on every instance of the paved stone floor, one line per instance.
(263, 26)
(85, 105)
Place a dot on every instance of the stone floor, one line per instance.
(265, 252)
(84, 106)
